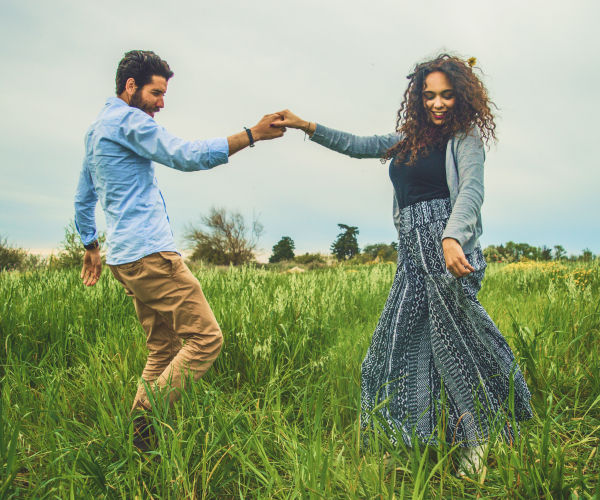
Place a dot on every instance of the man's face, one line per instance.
(151, 97)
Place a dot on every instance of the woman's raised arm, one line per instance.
(374, 146)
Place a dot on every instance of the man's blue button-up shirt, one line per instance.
(120, 147)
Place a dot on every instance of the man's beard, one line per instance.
(137, 102)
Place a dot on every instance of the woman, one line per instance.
(436, 356)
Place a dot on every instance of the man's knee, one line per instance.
(216, 343)
(206, 345)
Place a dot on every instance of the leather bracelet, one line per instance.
(92, 246)
(250, 136)
(306, 130)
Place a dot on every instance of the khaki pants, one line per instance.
(171, 308)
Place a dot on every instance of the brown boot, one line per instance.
(143, 434)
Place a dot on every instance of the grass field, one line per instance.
(277, 416)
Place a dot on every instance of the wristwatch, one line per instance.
(92, 246)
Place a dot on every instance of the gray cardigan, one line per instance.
(464, 173)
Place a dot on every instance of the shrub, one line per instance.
(11, 257)
(225, 238)
(71, 250)
(310, 258)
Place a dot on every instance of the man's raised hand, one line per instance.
(264, 130)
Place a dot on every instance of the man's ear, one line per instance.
(130, 86)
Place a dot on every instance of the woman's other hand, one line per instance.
(456, 262)
(289, 119)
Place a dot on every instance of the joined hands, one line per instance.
(266, 129)
(289, 119)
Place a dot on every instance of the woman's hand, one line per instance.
(289, 119)
(456, 262)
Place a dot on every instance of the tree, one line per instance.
(559, 252)
(587, 255)
(345, 245)
(283, 250)
(545, 253)
(225, 238)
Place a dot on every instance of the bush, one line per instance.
(71, 250)
(381, 252)
(11, 257)
(225, 238)
(310, 258)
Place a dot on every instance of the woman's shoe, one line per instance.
(471, 460)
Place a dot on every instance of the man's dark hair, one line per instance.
(141, 65)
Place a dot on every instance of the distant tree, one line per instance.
(492, 254)
(587, 255)
(381, 251)
(224, 239)
(559, 252)
(514, 252)
(510, 251)
(545, 253)
(345, 245)
(11, 257)
(283, 250)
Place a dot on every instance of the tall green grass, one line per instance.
(277, 415)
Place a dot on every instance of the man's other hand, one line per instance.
(92, 267)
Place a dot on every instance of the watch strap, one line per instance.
(92, 246)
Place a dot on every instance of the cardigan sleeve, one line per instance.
(373, 146)
(463, 221)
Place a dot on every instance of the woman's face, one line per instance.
(438, 97)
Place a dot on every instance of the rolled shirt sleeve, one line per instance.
(140, 133)
(85, 206)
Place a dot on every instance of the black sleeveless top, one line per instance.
(422, 181)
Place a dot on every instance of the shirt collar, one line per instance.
(115, 101)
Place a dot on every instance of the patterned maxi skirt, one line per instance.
(437, 365)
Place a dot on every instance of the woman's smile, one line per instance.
(438, 96)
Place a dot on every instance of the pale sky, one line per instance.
(339, 63)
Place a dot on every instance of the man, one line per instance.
(117, 169)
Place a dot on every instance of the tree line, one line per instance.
(226, 238)
(515, 252)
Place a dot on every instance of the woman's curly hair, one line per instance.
(471, 109)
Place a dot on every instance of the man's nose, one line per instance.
(161, 102)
